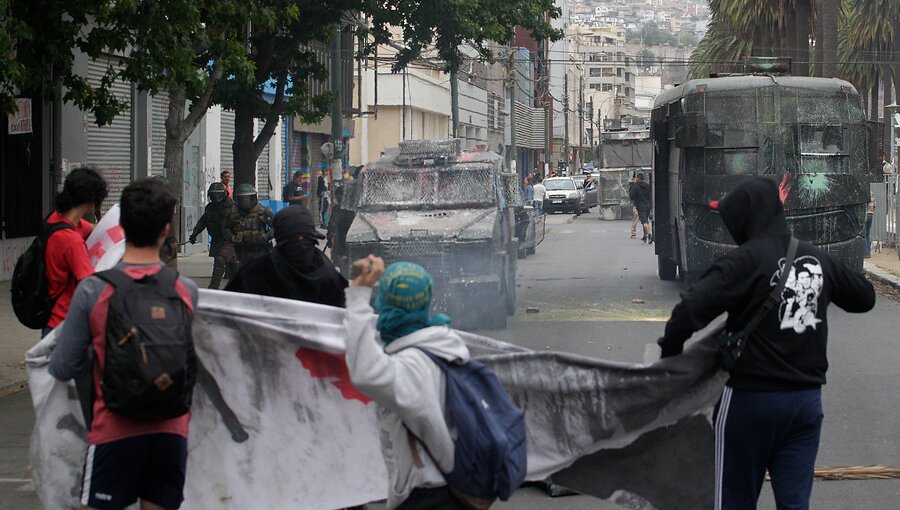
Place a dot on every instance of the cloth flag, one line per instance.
(276, 422)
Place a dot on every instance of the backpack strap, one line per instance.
(116, 277)
(52, 228)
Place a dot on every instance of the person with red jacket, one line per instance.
(66, 259)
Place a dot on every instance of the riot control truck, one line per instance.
(451, 212)
(810, 135)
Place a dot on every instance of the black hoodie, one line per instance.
(787, 351)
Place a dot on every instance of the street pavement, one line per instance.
(592, 290)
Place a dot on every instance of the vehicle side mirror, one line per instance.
(509, 184)
(691, 130)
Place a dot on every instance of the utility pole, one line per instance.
(566, 120)
(513, 149)
(581, 121)
(337, 127)
(591, 122)
(454, 101)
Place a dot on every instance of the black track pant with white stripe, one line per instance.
(758, 431)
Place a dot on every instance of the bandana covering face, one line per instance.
(403, 301)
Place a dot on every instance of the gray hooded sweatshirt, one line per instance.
(409, 390)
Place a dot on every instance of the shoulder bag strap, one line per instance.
(774, 296)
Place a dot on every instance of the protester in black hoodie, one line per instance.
(296, 268)
(770, 414)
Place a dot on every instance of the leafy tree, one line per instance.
(286, 31)
(203, 52)
(686, 39)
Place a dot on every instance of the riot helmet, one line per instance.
(217, 192)
(245, 196)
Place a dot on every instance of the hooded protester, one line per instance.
(770, 413)
(296, 268)
(407, 386)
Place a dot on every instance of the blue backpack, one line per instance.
(489, 447)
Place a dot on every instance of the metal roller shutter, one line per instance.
(109, 148)
(226, 154)
(160, 110)
(263, 183)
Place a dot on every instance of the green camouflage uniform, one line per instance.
(250, 231)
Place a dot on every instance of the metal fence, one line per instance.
(887, 211)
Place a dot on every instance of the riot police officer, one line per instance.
(215, 219)
(249, 225)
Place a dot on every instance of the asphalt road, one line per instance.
(594, 291)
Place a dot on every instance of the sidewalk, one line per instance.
(884, 267)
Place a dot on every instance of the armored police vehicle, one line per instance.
(451, 212)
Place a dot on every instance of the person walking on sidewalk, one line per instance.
(132, 458)
(639, 193)
(770, 415)
(870, 217)
(66, 259)
(539, 193)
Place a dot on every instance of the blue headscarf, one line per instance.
(403, 301)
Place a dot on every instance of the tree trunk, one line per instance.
(801, 38)
(787, 34)
(873, 98)
(820, 39)
(244, 154)
(896, 67)
(886, 85)
(864, 93)
(830, 13)
(173, 158)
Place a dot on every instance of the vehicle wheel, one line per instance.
(494, 316)
(668, 269)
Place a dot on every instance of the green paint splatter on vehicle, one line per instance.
(813, 187)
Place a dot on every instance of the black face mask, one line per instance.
(247, 202)
(217, 196)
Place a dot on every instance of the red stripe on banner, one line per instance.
(96, 252)
(323, 365)
(116, 233)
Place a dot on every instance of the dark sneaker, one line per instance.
(650, 239)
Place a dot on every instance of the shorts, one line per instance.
(644, 216)
(150, 468)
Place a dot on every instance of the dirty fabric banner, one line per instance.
(277, 424)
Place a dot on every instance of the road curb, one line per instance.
(882, 276)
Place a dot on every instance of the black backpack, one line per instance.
(30, 300)
(150, 364)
